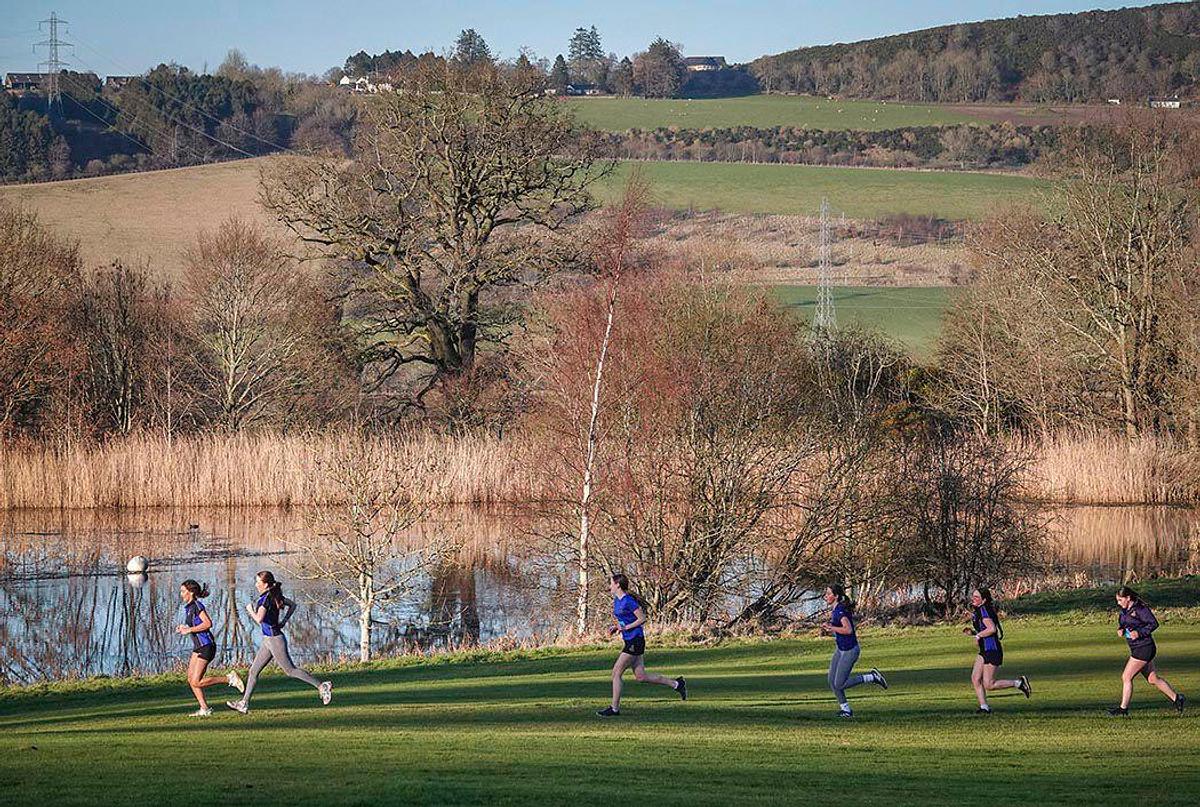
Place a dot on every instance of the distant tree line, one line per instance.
(1128, 54)
(998, 145)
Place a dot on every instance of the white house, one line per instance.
(1165, 103)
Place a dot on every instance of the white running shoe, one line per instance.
(235, 681)
(201, 713)
(238, 706)
(326, 690)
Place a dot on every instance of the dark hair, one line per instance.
(839, 591)
(985, 594)
(274, 588)
(623, 581)
(1126, 591)
(195, 588)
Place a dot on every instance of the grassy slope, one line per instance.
(911, 316)
(619, 114)
(759, 729)
(857, 192)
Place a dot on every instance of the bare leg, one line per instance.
(197, 666)
(1152, 676)
(1133, 668)
(639, 672)
(623, 662)
(977, 682)
(990, 682)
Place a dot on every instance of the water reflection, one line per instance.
(68, 608)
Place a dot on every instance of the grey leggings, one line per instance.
(839, 672)
(275, 647)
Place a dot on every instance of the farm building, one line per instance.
(1165, 103)
(702, 63)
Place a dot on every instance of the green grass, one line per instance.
(759, 729)
(763, 111)
(798, 189)
(910, 316)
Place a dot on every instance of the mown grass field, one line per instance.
(856, 192)
(809, 112)
(759, 728)
(910, 316)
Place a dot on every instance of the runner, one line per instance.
(987, 632)
(629, 619)
(198, 625)
(845, 653)
(272, 611)
(1136, 625)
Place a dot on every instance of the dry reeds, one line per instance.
(1093, 468)
(257, 470)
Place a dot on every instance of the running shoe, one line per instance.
(845, 713)
(201, 713)
(1023, 685)
(982, 711)
(681, 688)
(238, 706)
(1180, 700)
(235, 681)
(608, 711)
(879, 679)
(326, 690)
(1117, 711)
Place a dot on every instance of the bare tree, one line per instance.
(39, 274)
(122, 319)
(457, 184)
(360, 547)
(255, 327)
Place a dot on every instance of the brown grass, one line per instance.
(149, 216)
(1084, 468)
(257, 470)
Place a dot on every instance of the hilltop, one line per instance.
(1094, 55)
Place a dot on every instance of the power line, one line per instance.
(54, 65)
(825, 317)
(183, 102)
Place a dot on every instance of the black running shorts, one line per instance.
(208, 652)
(635, 646)
(993, 657)
(1145, 652)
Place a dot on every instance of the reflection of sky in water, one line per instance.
(68, 609)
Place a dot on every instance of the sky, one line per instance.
(310, 36)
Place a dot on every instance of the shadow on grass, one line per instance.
(1181, 592)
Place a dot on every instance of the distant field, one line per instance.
(153, 216)
(910, 316)
(620, 114)
(856, 192)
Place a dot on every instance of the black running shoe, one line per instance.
(681, 688)
(1023, 685)
(1117, 711)
(845, 713)
(879, 679)
(1179, 702)
(608, 711)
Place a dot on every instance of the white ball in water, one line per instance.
(137, 565)
(136, 580)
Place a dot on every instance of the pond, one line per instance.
(67, 608)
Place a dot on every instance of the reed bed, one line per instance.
(1107, 469)
(258, 470)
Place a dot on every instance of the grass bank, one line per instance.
(519, 728)
(861, 193)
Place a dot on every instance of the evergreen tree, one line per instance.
(559, 77)
(470, 48)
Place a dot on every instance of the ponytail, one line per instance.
(623, 581)
(274, 588)
(197, 590)
(843, 599)
(985, 594)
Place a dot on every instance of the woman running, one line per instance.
(987, 632)
(1136, 625)
(272, 611)
(198, 625)
(845, 654)
(629, 619)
